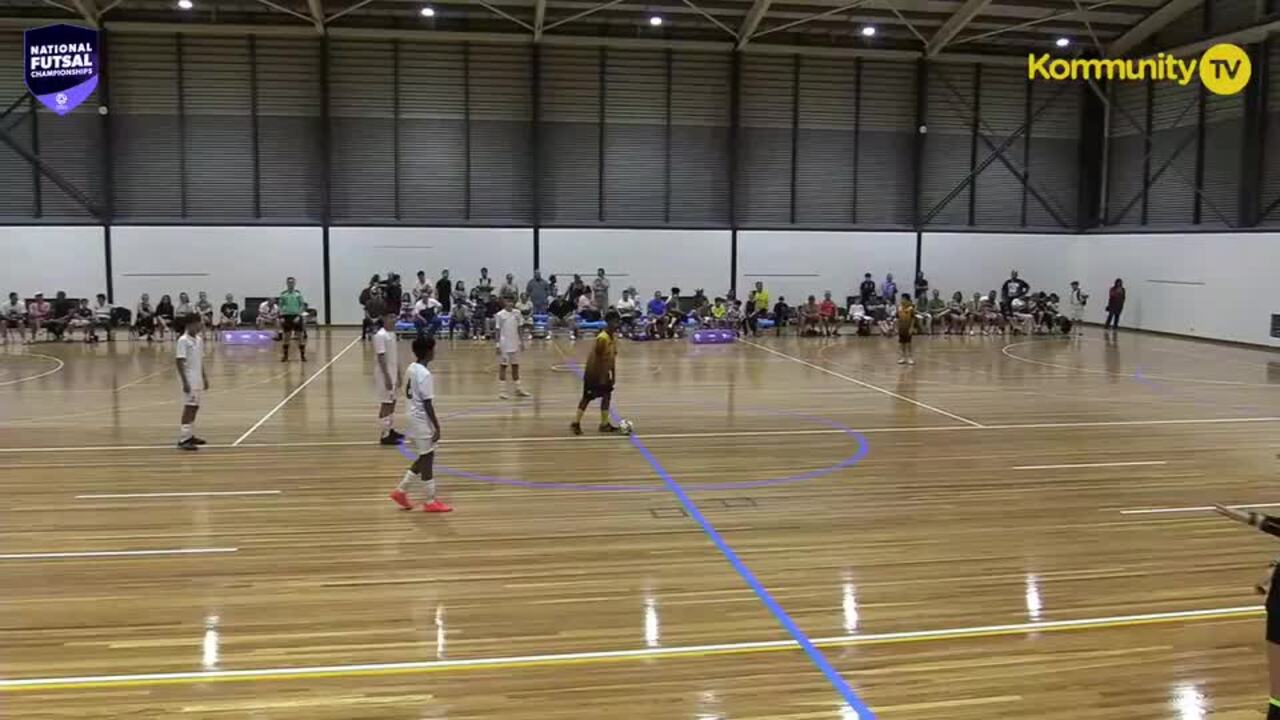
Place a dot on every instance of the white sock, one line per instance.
(185, 432)
(386, 423)
(410, 477)
(431, 490)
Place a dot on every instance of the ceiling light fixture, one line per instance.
(655, 20)
(185, 4)
(428, 11)
(1062, 42)
(869, 31)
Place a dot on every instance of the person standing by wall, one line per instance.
(867, 290)
(1013, 289)
(539, 293)
(1115, 305)
(600, 289)
(292, 320)
(1076, 300)
(444, 292)
(922, 289)
(889, 291)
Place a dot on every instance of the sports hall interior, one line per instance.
(1018, 525)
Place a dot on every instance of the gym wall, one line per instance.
(1207, 285)
(50, 258)
(357, 253)
(243, 261)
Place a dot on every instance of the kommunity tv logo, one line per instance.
(1223, 69)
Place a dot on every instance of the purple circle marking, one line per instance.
(857, 457)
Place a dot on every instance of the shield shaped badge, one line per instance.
(61, 64)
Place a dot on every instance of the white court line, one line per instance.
(1196, 508)
(855, 381)
(116, 553)
(38, 376)
(669, 436)
(296, 390)
(1198, 381)
(639, 653)
(116, 496)
(142, 379)
(1090, 465)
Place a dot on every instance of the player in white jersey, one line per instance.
(510, 343)
(386, 375)
(190, 360)
(423, 429)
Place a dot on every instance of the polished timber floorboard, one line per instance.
(1012, 528)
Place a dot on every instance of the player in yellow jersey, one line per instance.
(906, 324)
(597, 381)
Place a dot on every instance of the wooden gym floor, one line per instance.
(1003, 530)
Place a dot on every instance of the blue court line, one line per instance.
(815, 655)
(781, 615)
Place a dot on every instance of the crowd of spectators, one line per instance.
(39, 320)
(447, 306)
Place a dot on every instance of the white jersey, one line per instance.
(191, 350)
(386, 345)
(508, 331)
(420, 387)
(14, 310)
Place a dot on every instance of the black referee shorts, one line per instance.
(593, 391)
(291, 323)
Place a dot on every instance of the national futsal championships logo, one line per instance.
(60, 65)
(1224, 69)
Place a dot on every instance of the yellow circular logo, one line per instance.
(1225, 69)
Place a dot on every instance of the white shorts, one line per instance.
(191, 399)
(510, 358)
(419, 434)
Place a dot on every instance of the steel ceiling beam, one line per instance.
(712, 19)
(752, 21)
(1154, 23)
(584, 13)
(811, 18)
(88, 9)
(1244, 36)
(954, 24)
(507, 16)
(1038, 21)
(287, 11)
(317, 14)
(539, 18)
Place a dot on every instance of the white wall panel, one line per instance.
(799, 264)
(356, 253)
(1211, 285)
(243, 261)
(646, 259)
(39, 258)
(980, 262)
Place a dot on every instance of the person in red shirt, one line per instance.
(827, 311)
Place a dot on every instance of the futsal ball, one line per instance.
(1018, 304)
(626, 427)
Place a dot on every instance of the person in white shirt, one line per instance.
(268, 314)
(13, 316)
(189, 356)
(628, 309)
(1076, 300)
(386, 375)
(510, 343)
(420, 289)
(426, 313)
(423, 429)
(102, 312)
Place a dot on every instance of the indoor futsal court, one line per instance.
(1011, 530)
(682, 360)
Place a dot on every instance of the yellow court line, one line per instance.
(586, 658)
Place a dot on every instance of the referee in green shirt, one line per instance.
(292, 307)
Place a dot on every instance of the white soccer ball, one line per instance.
(626, 427)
